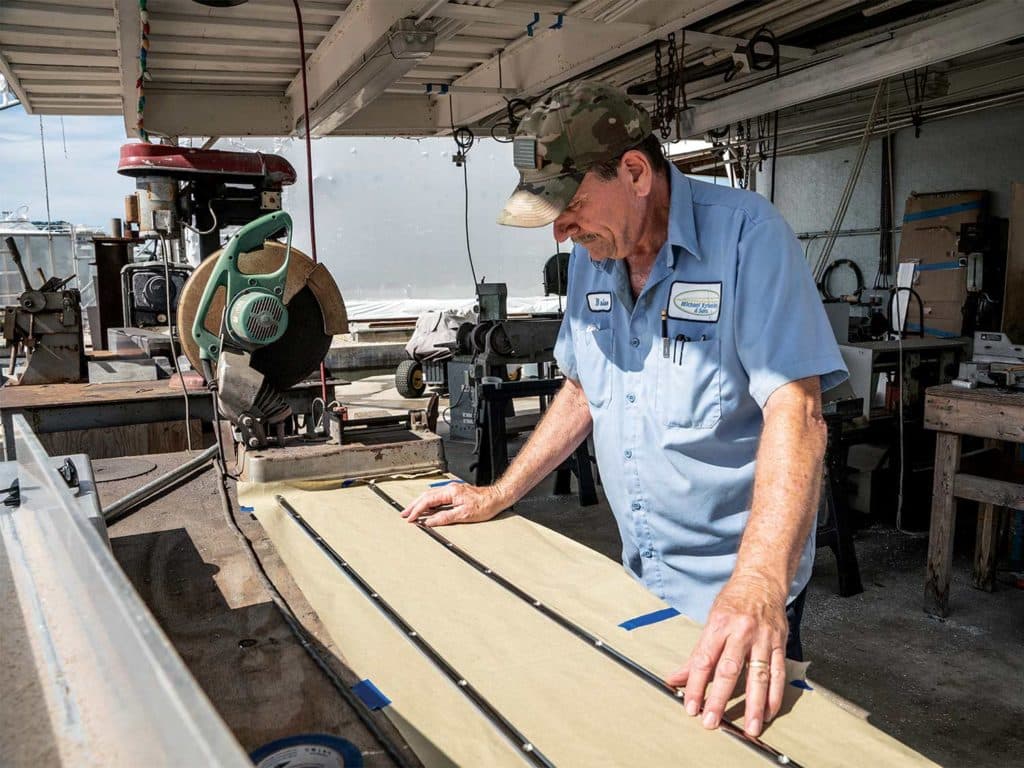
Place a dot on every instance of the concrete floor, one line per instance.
(953, 688)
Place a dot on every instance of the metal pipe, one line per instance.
(763, 749)
(507, 728)
(122, 506)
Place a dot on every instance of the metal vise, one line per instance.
(47, 325)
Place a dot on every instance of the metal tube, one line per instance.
(765, 750)
(120, 507)
(513, 734)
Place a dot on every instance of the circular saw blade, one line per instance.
(304, 344)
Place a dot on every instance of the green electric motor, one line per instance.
(255, 314)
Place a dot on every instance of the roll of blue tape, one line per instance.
(308, 750)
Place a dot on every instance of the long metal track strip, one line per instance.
(727, 726)
(513, 734)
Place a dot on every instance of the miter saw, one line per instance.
(258, 318)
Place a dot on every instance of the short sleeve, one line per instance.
(565, 354)
(782, 331)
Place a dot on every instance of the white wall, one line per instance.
(984, 150)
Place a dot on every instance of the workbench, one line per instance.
(955, 413)
(51, 408)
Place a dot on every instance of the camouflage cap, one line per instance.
(564, 135)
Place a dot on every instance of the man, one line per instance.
(696, 347)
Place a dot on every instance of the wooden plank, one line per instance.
(127, 440)
(1013, 307)
(989, 491)
(940, 535)
(978, 412)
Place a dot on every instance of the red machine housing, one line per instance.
(192, 164)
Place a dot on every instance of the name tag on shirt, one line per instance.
(700, 302)
(599, 302)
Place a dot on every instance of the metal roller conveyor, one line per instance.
(514, 735)
(727, 726)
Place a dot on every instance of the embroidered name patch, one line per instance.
(599, 302)
(701, 302)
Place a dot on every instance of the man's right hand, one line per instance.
(456, 503)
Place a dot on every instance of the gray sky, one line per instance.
(390, 221)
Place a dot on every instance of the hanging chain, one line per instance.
(659, 93)
(671, 88)
(666, 88)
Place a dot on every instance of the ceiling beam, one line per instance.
(233, 24)
(58, 36)
(128, 28)
(347, 46)
(72, 57)
(725, 43)
(393, 115)
(55, 72)
(14, 83)
(957, 34)
(192, 113)
(532, 65)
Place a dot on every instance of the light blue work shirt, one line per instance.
(676, 436)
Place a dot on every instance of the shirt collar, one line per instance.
(682, 227)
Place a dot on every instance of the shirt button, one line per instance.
(628, 454)
(630, 398)
(635, 342)
(636, 506)
(648, 553)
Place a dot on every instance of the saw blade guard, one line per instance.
(261, 296)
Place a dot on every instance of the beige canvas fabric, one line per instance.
(577, 706)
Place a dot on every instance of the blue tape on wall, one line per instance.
(370, 695)
(936, 212)
(244, 508)
(649, 618)
(940, 265)
(932, 331)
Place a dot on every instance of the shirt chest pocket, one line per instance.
(593, 363)
(689, 393)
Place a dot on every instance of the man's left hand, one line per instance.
(746, 627)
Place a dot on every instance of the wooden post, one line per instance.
(985, 547)
(940, 535)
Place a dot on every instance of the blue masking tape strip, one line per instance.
(439, 483)
(936, 212)
(803, 684)
(932, 331)
(370, 695)
(649, 618)
(940, 265)
(247, 509)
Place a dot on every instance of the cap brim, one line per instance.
(538, 203)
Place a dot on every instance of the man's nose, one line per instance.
(565, 227)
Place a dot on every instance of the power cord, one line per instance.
(170, 338)
(464, 139)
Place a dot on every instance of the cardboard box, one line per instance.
(931, 227)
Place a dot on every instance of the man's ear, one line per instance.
(639, 170)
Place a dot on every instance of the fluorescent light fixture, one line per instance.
(404, 47)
